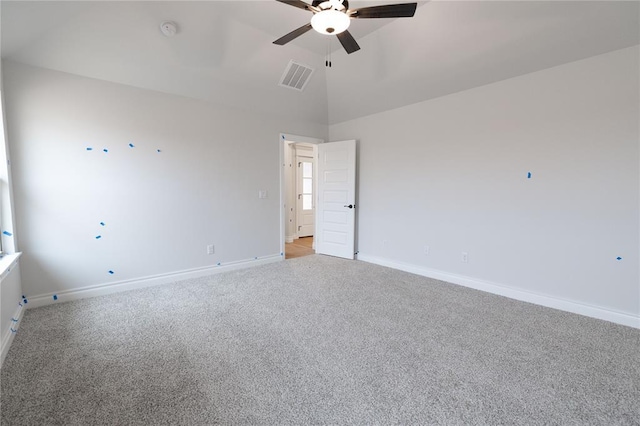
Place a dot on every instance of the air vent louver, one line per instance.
(296, 76)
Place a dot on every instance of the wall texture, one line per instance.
(191, 179)
(453, 173)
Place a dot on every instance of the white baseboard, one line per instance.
(9, 334)
(150, 281)
(503, 290)
(289, 239)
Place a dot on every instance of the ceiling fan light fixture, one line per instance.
(330, 22)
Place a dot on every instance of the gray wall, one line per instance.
(160, 209)
(452, 173)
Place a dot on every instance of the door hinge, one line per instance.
(299, 228)
(299, 163)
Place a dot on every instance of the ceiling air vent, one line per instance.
(296, 76)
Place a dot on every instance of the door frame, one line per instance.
(282, 142)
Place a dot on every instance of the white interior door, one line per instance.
(305, 208)
(336, 216)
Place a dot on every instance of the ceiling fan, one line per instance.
(332, 17)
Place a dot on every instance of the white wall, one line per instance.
(451, 173)
(160, 209)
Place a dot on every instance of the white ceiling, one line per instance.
(223, 52)
(453, 46)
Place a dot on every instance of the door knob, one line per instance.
(351, 206)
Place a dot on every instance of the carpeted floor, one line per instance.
(317, 340)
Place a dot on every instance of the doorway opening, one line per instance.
(325, 190)
(298, 195)
(300, 247)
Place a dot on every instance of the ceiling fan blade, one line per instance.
(348, 42)
(293, 35)
(296, 3)
(405, 10)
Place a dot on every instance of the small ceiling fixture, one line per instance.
(168, 28)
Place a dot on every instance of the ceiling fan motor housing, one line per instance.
(317, 3)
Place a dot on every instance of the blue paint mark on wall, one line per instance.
(158, 150)
(105, 150)
(98, 237)
(618, 258)
(131, 145)
(529, 175)
(7, 233)
(55, 297)
(89, 148)
(111, 272)
(101, 223)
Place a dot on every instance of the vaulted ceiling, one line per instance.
(223, 52)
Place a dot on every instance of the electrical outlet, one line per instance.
(465, 257)
(210, 249)
(263, 193)
(426, 250)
